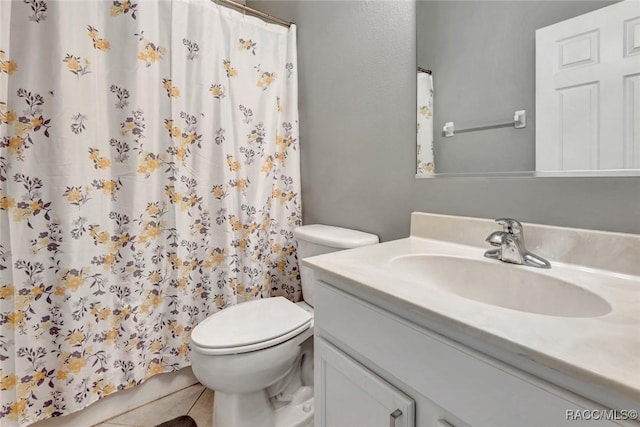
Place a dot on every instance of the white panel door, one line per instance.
(588, 91)
(349, 395)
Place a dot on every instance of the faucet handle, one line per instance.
(510, 225)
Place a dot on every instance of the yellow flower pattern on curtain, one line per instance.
(149, 176)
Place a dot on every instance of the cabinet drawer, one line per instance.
(481, 392)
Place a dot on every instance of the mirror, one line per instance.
(482, 55)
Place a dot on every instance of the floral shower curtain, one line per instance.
(149, 176)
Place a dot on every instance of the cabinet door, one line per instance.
(348, 394)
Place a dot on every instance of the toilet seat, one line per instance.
(250, 326)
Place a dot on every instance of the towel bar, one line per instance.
(519, 122)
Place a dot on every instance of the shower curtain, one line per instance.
(149, 176)
(425, 155)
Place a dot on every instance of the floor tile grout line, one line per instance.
(113, 424)
(108, 421)
(196, 401)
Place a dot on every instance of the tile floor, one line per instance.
(195, 401)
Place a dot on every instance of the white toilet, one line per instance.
(258, 355)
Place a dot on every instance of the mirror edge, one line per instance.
(613, 173)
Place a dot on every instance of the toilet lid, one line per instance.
(250, 326)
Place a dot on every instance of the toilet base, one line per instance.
(242, 410)
(300, 415)
(255, 410)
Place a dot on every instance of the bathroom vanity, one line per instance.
(425, 331)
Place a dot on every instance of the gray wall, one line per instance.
(482, 54)
(357, 64)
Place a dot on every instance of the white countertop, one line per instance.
(603, 351)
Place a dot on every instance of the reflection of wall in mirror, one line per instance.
(483, 56)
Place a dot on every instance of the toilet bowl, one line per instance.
(258, 355)
(238, 360)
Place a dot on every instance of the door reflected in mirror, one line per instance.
(579, 84)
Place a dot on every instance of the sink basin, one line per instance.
(501, 284)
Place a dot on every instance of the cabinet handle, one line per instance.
(443, 423)
(393, 417)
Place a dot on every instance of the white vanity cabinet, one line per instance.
(370, 362)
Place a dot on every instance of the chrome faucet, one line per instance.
(510, 243)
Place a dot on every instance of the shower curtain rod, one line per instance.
(255, 12)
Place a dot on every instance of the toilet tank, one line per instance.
(318, 239)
